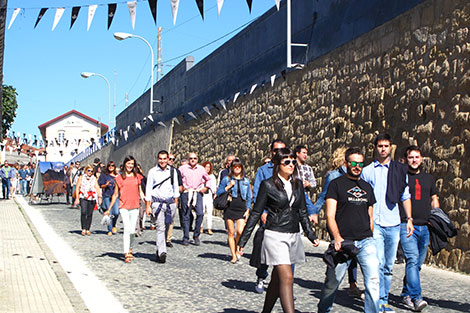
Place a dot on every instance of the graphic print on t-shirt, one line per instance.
(359, 195)
(417, 190)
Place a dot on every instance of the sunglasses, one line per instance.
(193, 158)
(237, 166)
(171, 159)
(89, 171)
(354, 164)
(288, 162)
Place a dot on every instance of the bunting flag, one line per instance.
(236, 96)
(153, 9)
(176, 120)
(13, 17)
(162, 124)
(220, 3)
(222, 103)
(253, 88)
(249, 2)
(200, 6)
(58, 15)
(113, 140)
(278, 4)
(111, 11)
(273, 78)
(125, 135)
(74, 16)
(206, 108)
(192, 115)
(132, 5)
(41, 14)
(150, 117)
(91, 14)
(174, 9)
(137, 125)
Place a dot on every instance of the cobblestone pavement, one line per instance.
(201, 278)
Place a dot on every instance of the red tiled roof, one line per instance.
(69, 113)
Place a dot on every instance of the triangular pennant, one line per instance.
(206, 109)
(192, 115)
(253, 88)
(278, 4)
(249, 2)
(235, 97)
(111, 11)
(137, 125)
(153, 9)
(200, 6)
(41, 14)
(150, 117)
(13, 17)
(74, 16)
(58, 15)
(132, 5)
(176, 120)
(174, 9)
(220, 3)
(273, 78)
(162, 124)
(125, 135)
(222, 103)
(91, 14)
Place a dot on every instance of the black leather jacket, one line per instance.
(281, 216)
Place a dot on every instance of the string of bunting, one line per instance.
(132, 6)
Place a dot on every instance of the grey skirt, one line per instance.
(282, 248)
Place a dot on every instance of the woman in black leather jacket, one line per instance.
(283, 197)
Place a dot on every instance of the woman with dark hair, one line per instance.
(239, 208)
(129, 191)
(107, 182)
(208, 197)
(283, 197)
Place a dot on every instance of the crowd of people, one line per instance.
(16, 178)
(369, 210)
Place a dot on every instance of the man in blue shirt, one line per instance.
(389, 181)
(6, 173)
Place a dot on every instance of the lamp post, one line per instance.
(88, 74)
(122, 36)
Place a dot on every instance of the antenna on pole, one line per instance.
(159, 54)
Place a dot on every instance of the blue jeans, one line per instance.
(187, 211)
(367, 259)
(386, 241)
(6, 184)
(415, 248)
(24, 187)
(113, 213)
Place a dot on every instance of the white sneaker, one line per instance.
(260, 285)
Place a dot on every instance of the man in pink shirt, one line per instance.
(194, 180)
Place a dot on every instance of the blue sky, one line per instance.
(44, 66)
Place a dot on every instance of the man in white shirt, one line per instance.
(161, 198)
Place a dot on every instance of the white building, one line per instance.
(69, 134)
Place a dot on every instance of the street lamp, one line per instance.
(122, 36)
(88, 74)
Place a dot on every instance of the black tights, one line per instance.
(280, 287)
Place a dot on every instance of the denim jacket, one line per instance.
(321, 199)
(244, 189)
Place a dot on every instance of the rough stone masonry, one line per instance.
(409, 77)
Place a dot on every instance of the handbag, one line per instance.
(222, 201)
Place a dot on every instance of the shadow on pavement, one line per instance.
(314, 255)
(214, 242)
(231, 310)
(118, 256)
(239, 285)
(448, 304)
(223, 257)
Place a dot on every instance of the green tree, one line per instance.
(9, 106)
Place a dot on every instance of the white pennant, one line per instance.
(36, 153)
(113, 140)
(132, 5)
(176, 120)
(278, 4)
(192, 115)
(57, 17)
(222, 103)
(253, 88)
(13, 17)
(236, 96)
(174, 9)
(273, 78)
(98, 144)
(91, 14)
(137, 125)
(162, 124)
(206, 108)
(220, 3)
(150, 117)
(125, 135)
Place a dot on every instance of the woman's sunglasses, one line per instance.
(288, 162)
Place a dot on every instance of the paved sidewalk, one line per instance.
(28, 282)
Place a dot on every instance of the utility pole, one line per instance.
(114, 104)
(159, 55)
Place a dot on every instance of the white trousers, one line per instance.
(129, 218)
(208, 206)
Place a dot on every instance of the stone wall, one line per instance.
(409, 77)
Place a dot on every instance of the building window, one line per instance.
(61, 136)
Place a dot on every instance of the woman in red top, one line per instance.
(128, 186)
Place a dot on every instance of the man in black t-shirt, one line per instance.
(349, 204)
(423, 197)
